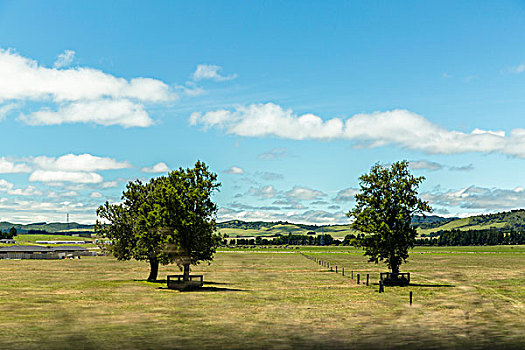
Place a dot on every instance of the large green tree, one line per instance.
(385, 204)
(170, 219)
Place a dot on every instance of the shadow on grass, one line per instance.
(430, 285)
(207, 289)
(157, 281)
(418, 285)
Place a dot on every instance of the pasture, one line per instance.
(464, 297)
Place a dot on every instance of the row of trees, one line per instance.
(8, 234)
(290, 239)
(457, 237)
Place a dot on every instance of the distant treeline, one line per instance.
(457, 237)
(454, 237)
(294, 239)
(9, 234)
(289, 239)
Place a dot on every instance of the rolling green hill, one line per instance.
(514, 219)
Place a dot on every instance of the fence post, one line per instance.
(352, 274)
(336, 269)
(367, 278)
(410, 298)
(343, 271)
(381, 288)
(358, 278)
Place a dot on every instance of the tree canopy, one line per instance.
(170, 219)
(385, 204)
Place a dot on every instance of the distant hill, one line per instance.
(430, 221)
(51, 227)
(514, 219)
(235, 228)
(509, 220)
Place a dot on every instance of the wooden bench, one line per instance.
(177, 282)
(395, 279)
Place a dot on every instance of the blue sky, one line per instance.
(289, 103)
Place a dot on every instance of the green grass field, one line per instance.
(31, 239)
(464, 297)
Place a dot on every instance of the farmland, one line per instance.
(463, 297)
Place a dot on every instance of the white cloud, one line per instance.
(23, 78)
(96, 195)
(5, 109)
(401, 127)
(64, 59)
(346, 195)
(474, 197)
(305, 217)
(26, 211)
(80, 162)
(157, 168)
(8, 187)
(103, 112)
(206, 71)
(7, 167)
(109, 184)
(264, 191)
(433, 166)
(303, 193)
(65, 176)
(83, 95)
(235, 170)
(423, 164)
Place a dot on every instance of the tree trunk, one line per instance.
(395, 269)
(186, 272)
(154, 269)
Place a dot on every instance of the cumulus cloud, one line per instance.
(303, 193)
(474, 197)
(65, 176)
(82, 94)
(80, 162)
(423, 164)
(399, 127)
(103, 112)
(346, 195)
(157, 168)
(64, 59)
(7, 167)
(207, 71)
(109, 184)
(8, 187)
(96, 195)
(305, 217)
(235, 170)
(263, 192)
(26, 211)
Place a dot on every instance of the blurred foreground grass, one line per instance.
(463, 298)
